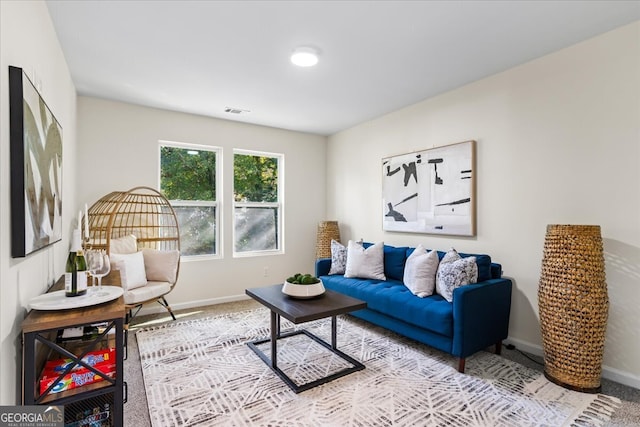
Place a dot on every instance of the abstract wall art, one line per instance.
(430, 191)
(36, 168)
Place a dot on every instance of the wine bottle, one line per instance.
(75, 276)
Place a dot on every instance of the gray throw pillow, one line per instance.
(365, 263)
(420, 272)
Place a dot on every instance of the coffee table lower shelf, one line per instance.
(357, 366)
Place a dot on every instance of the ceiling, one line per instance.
(201, 57)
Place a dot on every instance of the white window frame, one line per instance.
(217, 204)
(279, 205)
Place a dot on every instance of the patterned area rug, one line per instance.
(202, 373)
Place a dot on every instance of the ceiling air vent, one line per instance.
(235, 110)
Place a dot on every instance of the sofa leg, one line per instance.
(499, 347)
(461, 365)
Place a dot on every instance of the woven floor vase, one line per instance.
(573, 306)
(327, 230)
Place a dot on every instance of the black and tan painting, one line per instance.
(36, 168)
(430, 191)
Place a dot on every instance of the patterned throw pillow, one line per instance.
(365, 263)
(455, 271)
(420, 272)
(338, 258)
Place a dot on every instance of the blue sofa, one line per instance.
(477, 318)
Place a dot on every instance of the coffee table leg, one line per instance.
(334, 333)
(273, 363)
(275, 332)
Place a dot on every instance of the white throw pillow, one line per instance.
(161, 266)
(365, 263)
(420, 272)
(123, 245)
(455, 271)
(132, 272)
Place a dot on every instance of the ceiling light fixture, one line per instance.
(305, 56)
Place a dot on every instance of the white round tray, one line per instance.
(59, 301)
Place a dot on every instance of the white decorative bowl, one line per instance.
(303, 291)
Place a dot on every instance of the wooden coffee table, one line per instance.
(299, 311)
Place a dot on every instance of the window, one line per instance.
(189, 179)
(257, 207)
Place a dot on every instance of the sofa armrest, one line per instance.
(480, 315)
(323, 265)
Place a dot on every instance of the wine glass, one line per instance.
(102, 267)
(94, 263)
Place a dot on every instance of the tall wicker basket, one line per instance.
(327, 230)
(573, 306)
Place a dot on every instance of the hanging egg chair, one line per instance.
(133, 225)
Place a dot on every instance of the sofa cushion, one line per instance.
(365, 263)
(392, 298)
(484, 265)
(455, 271)
(420, 272)
(394, 260)
(338, 258)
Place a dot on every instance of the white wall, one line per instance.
(120, 150)
(28, 41)
(558, 142)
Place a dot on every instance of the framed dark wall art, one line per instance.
(36, 168)
(430, 191)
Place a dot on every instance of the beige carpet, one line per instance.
(200, 372)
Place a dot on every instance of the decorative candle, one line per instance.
(79, 220)
(86, 222)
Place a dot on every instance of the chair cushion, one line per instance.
(148, 292)
(123, 245)
(161, 266)
(132, 270)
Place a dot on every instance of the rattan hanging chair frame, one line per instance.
(143, 212)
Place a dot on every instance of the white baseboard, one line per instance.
(608, 372)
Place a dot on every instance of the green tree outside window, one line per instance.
(188, 180)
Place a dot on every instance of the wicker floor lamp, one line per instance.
(573, 306)
(327, 231)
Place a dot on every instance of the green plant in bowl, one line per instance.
(303, 279)
(303, 286)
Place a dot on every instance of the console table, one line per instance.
(100, 401)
